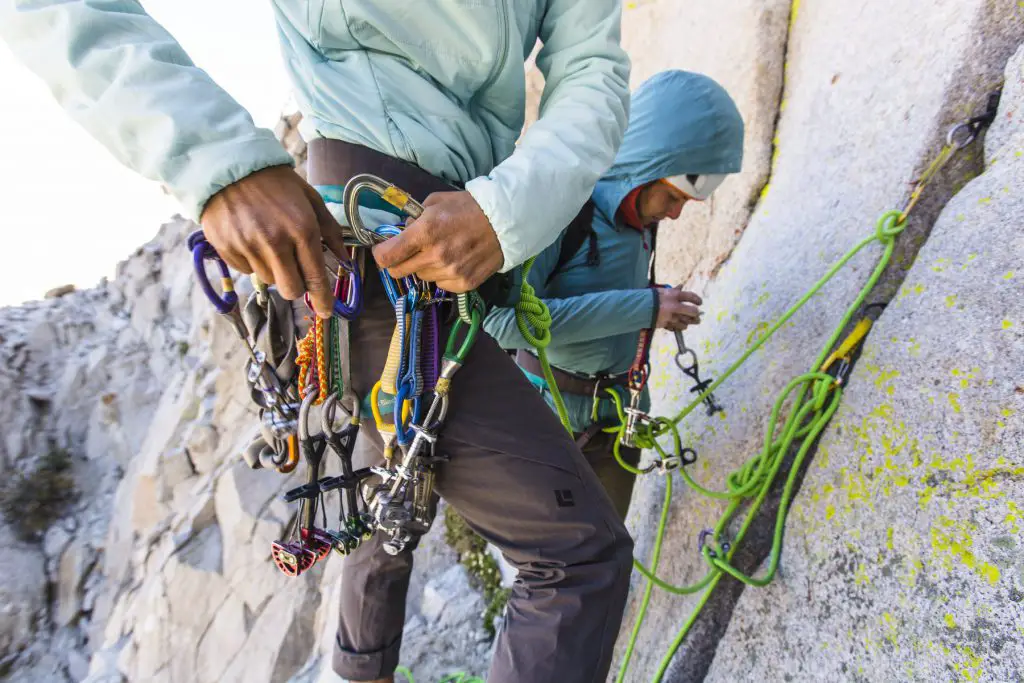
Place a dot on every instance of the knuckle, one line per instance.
(305, 231)
(288, 290)
(463, 269)
(443, 254)
(276, 239)
(315, 282)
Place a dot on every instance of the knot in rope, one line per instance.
(646, 434)
(533, 318)
(891, 224)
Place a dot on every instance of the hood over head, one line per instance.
(679, 123)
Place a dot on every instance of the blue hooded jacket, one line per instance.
(680, 123)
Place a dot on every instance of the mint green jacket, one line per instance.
(439, 83)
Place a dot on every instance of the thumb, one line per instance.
(401, 247)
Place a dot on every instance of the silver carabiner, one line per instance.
(972, 135)
(669, 464)
(398, 198)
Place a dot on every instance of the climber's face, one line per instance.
(660, 200)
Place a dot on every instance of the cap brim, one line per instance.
(700, 190)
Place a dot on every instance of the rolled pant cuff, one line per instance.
(366, 666)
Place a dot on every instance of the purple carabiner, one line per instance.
(203, 251)
(353, 305)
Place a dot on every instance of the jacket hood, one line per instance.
(679, 123)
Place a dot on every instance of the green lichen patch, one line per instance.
(483, 569)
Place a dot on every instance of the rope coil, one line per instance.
(533, 318)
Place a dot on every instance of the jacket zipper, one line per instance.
(503, 52)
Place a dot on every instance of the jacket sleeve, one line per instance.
(536, 191)
(581, 318)
(594, 315)
(125, 79)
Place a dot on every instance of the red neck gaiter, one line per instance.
(628, 209)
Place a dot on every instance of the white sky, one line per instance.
(69, 212)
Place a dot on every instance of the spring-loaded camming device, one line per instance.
(686, 361)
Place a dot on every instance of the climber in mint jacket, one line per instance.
(434, 91)
(685, 136)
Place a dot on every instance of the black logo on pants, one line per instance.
(564, 498)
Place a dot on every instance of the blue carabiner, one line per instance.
(403, 435)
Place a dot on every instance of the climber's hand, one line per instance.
(677, 309)
(271, 223)
(452, 245)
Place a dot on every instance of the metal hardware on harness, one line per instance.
(635, 418)
(386, 191)
(396, 499)
(692, 370)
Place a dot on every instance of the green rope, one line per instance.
(817, 397)
(334, 357)
(533, 318)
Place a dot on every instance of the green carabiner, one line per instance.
(474, 327)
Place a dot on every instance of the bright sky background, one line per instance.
(69, 212)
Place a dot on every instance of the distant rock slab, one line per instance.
(58, 292)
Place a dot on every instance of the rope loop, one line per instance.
(533, 319)
(891, 224)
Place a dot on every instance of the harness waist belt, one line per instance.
(340, 161)
(569, 383)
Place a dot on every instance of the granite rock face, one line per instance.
(861, 119)
(904, 558)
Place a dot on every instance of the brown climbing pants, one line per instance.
(520, 482)
(617, 481)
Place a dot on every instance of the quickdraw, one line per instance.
(686, 361)
(292, 379)
(636, 421)
(638, 375)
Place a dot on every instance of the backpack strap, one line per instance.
(580, 230)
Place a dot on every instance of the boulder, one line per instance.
(76, 562)
(448, 635)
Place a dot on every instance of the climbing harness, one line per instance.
(810, 399)
(291, 379)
